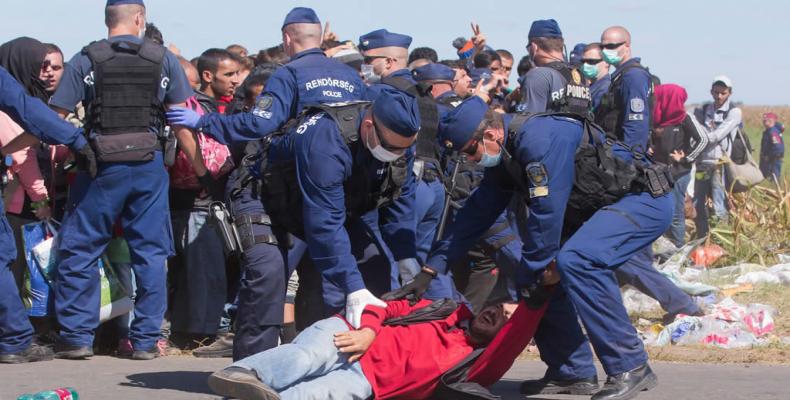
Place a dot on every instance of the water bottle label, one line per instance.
(64, 394)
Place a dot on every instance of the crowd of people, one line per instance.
(352, 218)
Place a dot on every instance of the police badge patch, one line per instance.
(262, 106)
(637, 105)
(538, 180)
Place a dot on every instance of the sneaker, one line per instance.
(125, 348)
(32, 353)
(222, 347)
(166, 348)
(240, 383)
(70, 352)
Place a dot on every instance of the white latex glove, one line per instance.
(408, 268)
(355, 304)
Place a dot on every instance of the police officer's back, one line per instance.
(125, 83)
(309, 78)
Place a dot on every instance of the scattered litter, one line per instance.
(706, 255)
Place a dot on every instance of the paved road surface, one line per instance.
(175, 378)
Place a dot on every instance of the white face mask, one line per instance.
(380, 153)
(368, 75)
(383, 154)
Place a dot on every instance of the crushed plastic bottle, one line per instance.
(55, 394)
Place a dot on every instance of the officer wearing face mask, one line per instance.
(625, 109)
(596, 70)
(544, 159)
(553, 85)
(309, 78)
(340, 179)
(386, 54)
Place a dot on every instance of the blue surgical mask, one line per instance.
(589, 70)
(488, 161)
(611, 57)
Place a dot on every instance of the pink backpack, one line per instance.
(216, 157)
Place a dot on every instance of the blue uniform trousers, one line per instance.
(586, 263)
(640, 273)
(137, 192)
(428, 213)
(265, 269)
(16, 333)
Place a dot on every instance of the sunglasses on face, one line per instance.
(471, 149)
(612, 46)
(370, 59)
(591, 61)
(386, 145)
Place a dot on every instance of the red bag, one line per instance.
(216, 158)
(706, 255)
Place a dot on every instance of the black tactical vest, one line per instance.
(610, 114)
(575, 96)
(427, 142)
(280, 191)
(601, 178)
(126, 108)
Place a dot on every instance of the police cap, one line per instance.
(301, 15)
(122, 2)
(547, 28)
(577, 54)
(398, 111)
(459, 125)
(433, 72)
(383, 38)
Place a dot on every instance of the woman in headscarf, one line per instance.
(677, 140)
(26, 197)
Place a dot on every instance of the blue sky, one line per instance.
(685, 42)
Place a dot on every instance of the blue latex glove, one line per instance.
(184, 117)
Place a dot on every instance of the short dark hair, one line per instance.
(53, 48)
(491, 119)
(153, 33)
(721, 85)
(274, 54)
(210, 59)
(485, 58)
(549, 43)
(504, 54)
(423, 52)
(455, 64)
(524, 65)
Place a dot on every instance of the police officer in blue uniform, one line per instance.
(499, 249)
(309, 78)
(16, 333)
(624, 112)
(536, 160)
(355, 192)
(124, 83)
(386, 55)
(625, 109)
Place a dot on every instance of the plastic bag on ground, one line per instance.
(41, 299)
(759, 319)
(637, 302)
(706, 255)
(114, 299)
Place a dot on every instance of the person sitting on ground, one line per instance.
(395, 360)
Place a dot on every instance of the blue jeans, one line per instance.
(311, 367)
(709, 182)
(677, 231)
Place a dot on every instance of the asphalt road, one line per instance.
(175, 378)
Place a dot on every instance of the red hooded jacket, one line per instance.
(406, 362)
